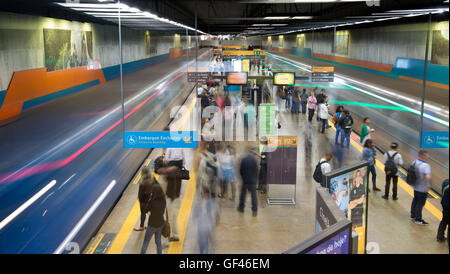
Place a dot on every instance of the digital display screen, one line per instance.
(284, 78)
(237, 78)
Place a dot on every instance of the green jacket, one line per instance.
(364, 133)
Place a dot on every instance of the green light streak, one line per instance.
(443, 144)
(369, 105)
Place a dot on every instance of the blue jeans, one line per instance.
(345, 136)
(418, 202)
(252, 189)
(303, 103)
(148, 236)
(373, 171)
(338, 131)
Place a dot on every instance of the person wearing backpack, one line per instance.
(444, 222)
(346, 124)
(392, 160)
(323, 167)
(421, 186)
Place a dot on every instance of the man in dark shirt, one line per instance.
(444, 222)
(249, 174)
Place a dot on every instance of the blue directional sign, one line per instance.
(434, 139)
(160, 139)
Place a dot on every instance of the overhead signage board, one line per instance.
(160, 139)
(198, 76)
(237, 78)
(322, 74)
(435, 139)
(284, 78)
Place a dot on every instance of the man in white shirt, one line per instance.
(326, 167)
(396, 158)
(175, 157)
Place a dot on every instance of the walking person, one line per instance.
(444, 222)
(368, 155)
(262, 176)
(365, 131)
(323, 115)
(144, 194)
(249, 174)
(303, 100)
(392, 160)
(335, 120)
(320, 99)
(346, 124)
(312, 101)
(322, 167)
(206, 216)
(421, 187)
(208, 169)
(156, 208)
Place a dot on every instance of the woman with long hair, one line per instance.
(144, 194)
(156, 209)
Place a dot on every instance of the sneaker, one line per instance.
(421, 222)
(385, 197)
(174, 239)
(440, 239)
(395, 198)
(376, 189)
(255, 213)
(240, 210)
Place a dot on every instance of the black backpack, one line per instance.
(411, 175)
(318, 172)
(390, 168)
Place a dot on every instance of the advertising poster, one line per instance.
(439, 48)
(338, 244)
(348, 190)
(237, 78)
(341, 43)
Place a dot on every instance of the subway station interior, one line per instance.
(224, 127)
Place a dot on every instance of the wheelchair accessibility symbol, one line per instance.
(132, 140)
(430, 140)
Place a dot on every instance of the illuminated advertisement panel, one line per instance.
(237, 78)
(284, 78)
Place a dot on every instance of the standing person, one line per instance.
(444, 222)
(262, 177)
(303, 100)
(421, 187)
(322, 167)
(346, 124)
(365, 131)
(320, 99)
(368, 155)
(156, 208)
(312, 101)
(295, 101)
(174, 158)
(249, 174)
(226, 159)
(336, 117)
(392, 160)
(206, 216)
(323, 115)
(144, 194)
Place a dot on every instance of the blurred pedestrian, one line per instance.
(303, 100)
(346, 124)
(226, 159)
(249, 174)
(156, 208)
(206, 217)
(262, 177)
(208, 169)
(144, 194)
(444, 222)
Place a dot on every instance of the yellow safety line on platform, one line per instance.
(430, 207)
(122, 237)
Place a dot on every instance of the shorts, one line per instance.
(228, 175)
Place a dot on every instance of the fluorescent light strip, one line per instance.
(439, 111)
(84, 219)
(25, 205)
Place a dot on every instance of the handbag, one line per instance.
(184, 174)
(166, 228)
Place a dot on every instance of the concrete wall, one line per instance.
(381, 45)
(22, 43)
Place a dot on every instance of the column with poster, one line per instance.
(348, 188)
